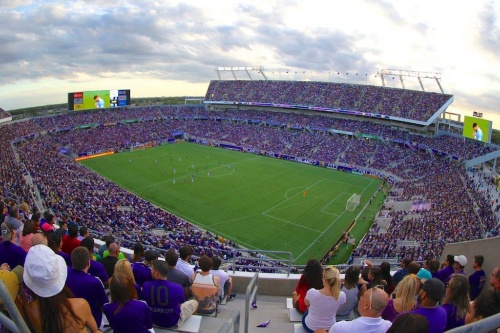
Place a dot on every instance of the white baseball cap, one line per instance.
(461, 259)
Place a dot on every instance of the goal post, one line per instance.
(353, 202)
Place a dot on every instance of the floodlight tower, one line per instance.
(246, 69)
(405, 73)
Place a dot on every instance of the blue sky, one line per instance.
(170, 48)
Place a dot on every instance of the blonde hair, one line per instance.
(332, 276)
(407, 289)
(123, 267)
(24, 207)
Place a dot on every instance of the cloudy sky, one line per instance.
(170, 48)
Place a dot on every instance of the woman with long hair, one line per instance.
(123, 267)
(375, 277)
(324, 303)
(45, 303)
(125, 313)
(405, 298)
(456, 301)
(312, 277)
(351, 288)
(385, 274)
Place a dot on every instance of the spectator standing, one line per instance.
(495, 279)
(444, 273)
(459, 264)
(428, 298)
(456, 301)
(477, 279)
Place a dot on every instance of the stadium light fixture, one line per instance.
(401, 73)
(234, 70)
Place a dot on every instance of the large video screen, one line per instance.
(477, 129)
(98, 99)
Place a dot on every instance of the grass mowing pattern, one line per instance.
(256, 201)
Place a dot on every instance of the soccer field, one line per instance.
(258, 202)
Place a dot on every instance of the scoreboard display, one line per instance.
(98, 99)
(477, 129)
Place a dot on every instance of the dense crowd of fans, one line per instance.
(94, 199)
(408, 104)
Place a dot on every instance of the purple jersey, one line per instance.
(452, 321)
(142, 273)
(164, 299)
(134, 317)
(435, 316)
(84, 285)
(476, 283)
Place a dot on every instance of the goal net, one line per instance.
(353, 202)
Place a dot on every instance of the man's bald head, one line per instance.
(38, 238)
(373, 302)
(113, 249)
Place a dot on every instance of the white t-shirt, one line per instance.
(184, 267)
(362, 324)
(223, 277)
(322, 309)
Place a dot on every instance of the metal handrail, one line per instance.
(483, 325)
(289, 261)
(17, 323)
(233, 321)
(250, 297)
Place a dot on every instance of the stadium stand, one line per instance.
(431, 193)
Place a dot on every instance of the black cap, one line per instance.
(434, 288)
(151, 255)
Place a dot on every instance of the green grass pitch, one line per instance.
(258, 202)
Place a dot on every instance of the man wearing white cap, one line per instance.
(44, 301)
(460, 263)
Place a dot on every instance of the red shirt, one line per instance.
(69, 244)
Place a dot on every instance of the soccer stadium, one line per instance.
(266, 175)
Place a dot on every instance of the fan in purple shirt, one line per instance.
(96, 268)
(166, 299)
(456, 301)
(142, 270)
(428, 298)
(125, 313)
(477, 279)
(84, 285)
